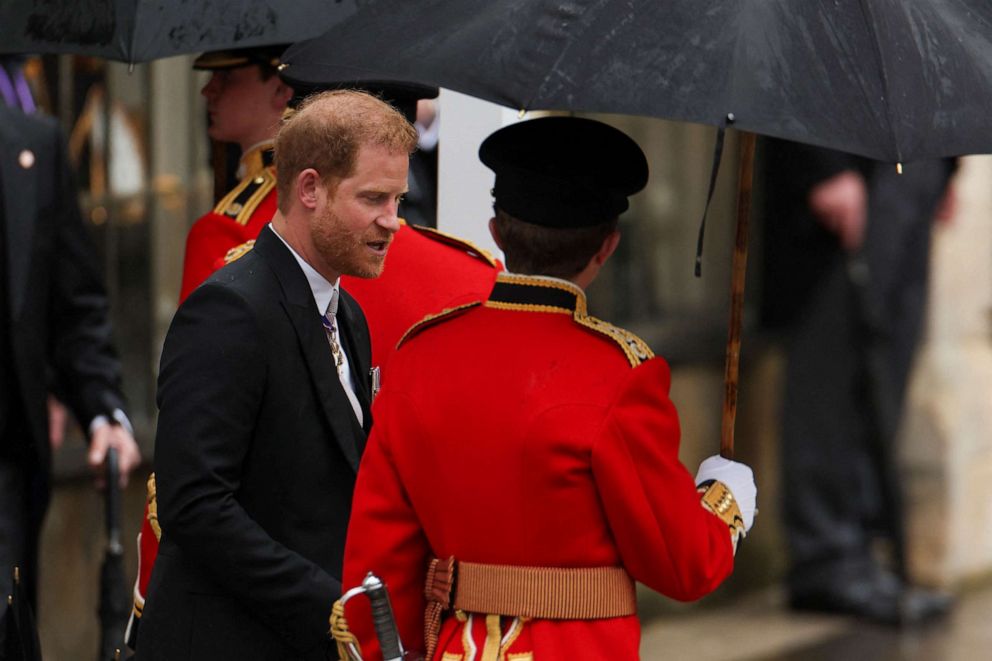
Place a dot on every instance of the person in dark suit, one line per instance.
(847, 247)
(264, 401)
(53, 320)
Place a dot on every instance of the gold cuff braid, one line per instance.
(716, 497)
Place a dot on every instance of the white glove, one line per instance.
(739, 479)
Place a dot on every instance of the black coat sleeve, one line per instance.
(211, 388)
(86, 367)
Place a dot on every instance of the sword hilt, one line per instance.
(382, 617)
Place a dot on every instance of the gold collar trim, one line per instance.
(535, 293)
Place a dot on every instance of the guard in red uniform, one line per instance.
(523, 469)
(245, 101)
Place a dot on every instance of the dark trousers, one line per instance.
(23, 500)
(13, 525)
(833, 478)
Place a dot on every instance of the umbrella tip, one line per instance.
(17, 575)
(520, 115)
(731, 118)
(10, 599)
(898, 168)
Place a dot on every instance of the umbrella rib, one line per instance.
(887, 100)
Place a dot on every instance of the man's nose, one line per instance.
(390, 219)
(211, 86)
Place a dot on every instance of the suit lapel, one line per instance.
(356, 342)
(19, 201)
(302, 312)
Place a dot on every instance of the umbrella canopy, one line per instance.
(894, 80)
(142, 30)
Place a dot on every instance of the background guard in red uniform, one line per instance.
(523, 469)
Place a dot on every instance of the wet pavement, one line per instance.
(759, 627)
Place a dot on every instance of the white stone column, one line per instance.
(464, 204)
(947, 442)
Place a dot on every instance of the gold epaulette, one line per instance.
(434, 319)
(243, 200)
(239, 251)
(456, 242)
(636, 349)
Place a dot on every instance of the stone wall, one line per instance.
(947, 434)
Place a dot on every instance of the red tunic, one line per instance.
(237, 218)
(524, 432)
(426, 271)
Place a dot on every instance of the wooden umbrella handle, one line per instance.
(731, 374)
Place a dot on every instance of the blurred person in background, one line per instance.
(847, 250)
(54, 325)
(245, 102)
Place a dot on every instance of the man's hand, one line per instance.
(56, 423)
(841, 205)
(109, 435)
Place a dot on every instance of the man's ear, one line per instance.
(495, 233)
(609, 246)
(309, 188)
(281, 96)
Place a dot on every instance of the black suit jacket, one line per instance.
(57, 310)
(255, 461)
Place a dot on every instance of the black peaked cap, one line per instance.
(239, 57)
(564, 171)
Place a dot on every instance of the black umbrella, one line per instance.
(138, 31)
(115, 597)
(894, 80)
(21, 636)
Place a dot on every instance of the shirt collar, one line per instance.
(321, 288)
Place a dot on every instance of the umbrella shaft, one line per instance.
(731, 373)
